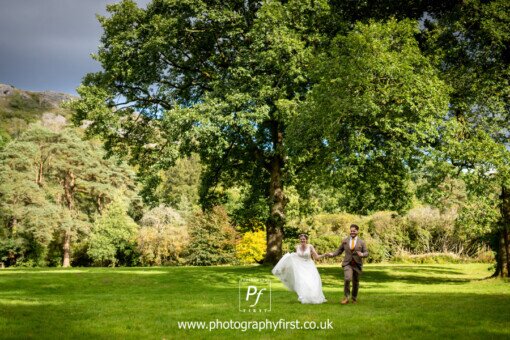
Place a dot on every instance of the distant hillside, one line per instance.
(18, 108)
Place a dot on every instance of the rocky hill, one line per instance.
(48, 99)
(18, 108)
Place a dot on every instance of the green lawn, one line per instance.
(395, 301)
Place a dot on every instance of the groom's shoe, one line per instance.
(354, 301)
(345, 301)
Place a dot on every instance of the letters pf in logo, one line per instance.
(254, 295)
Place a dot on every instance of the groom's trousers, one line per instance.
(351, 274)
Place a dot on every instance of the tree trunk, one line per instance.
(40, 174)
(506, 251)
(69, 183)
(499, 255)
(99, 203)
(503, 241)
(12, 225)
(277, 202)
(67, 249)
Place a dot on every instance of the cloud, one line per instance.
(46, 45)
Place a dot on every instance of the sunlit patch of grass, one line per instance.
(25, 302)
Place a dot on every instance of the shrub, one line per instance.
(328, 224)
(377, 250)
(388, 228)
(322, 244)
(428, 258)
(326, 243)
(251, 248)
(484, 255)
(212, 239)
(163, 237)
(113, 233)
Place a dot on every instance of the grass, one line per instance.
(395, 301)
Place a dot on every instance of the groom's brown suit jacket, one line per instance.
(352, 254)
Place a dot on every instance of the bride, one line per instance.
(298, 273)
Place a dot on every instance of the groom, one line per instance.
(355, 249)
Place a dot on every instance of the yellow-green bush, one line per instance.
(377, 250)
(484, 255)
(251, 247)
(329, 224)
(428, 258)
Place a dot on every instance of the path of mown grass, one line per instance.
(396, 301)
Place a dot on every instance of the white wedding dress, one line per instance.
(298, 273)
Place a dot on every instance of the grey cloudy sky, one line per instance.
(46, 44)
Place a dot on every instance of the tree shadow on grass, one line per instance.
(428, 268)
(391, 274)
(218, 278)
(380, 274)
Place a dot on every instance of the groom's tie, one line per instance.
(352, 244)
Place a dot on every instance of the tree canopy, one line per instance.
(276, 94)
(51, 183)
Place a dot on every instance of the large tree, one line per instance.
(471, 46)
(51, 183)
(27, 215)
(219, 78)
(225, 79)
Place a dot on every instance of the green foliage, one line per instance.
(320, 224)
(251, 248)
(177, 186)
(378, 101)
(470, 47)
(287, 112)
(389, 228)
(429, 258)
(51, 184)
(378, 251)
(28, 213)
(212, 239)
(111, 235)
(28, 102)
(276, 96)
(326, 243)
(484, 255)
(4, 138)
(317, 198)
(163, 237)
(423, 230)
(10, 248)
(247, 210)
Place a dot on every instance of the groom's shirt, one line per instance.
(352, 242)
(351, 254)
